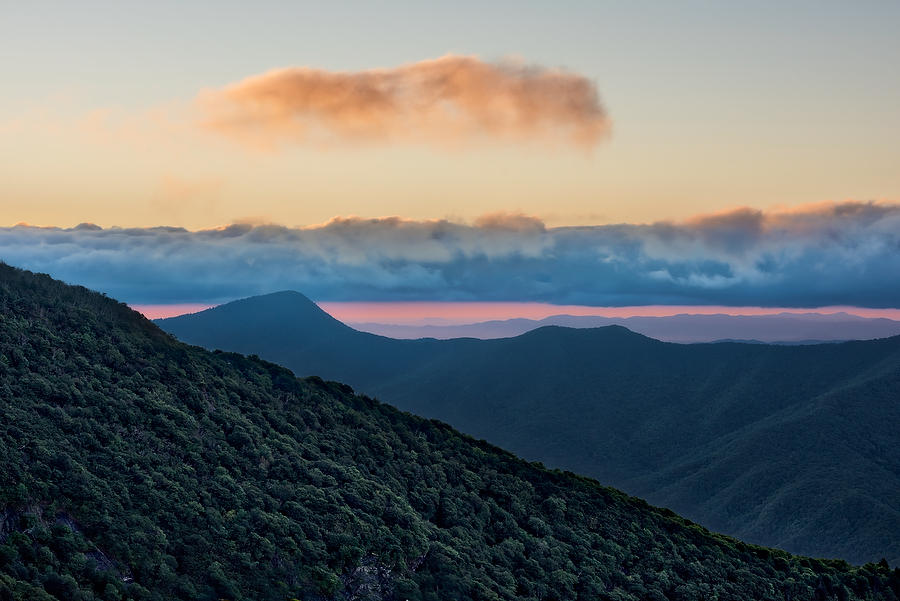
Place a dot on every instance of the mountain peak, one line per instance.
(280, 298)
(610, 333)
(286, 294)
(287, 306)
(286, 318)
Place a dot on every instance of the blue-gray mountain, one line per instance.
(796, 447)
(782, 328)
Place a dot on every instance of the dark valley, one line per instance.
(795, 447)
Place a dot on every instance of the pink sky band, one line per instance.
(472, 312)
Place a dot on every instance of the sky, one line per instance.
(443, 313)
(577, 153)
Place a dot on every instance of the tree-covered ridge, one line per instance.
(765, 443)
(134, 466)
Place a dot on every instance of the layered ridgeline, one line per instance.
(792, 447)
(133, 466)
(782, 328)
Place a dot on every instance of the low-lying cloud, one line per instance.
(835, 254)
(445, 101)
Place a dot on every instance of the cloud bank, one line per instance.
(449, 100)
(834, 254)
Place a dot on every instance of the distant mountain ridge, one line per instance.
(764, 442)
(781, 328)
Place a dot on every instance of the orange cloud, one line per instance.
(445, 101)
(516, 222)
(798, 218)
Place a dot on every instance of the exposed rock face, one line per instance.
(370, 581)
(9, 523)
(12, 520)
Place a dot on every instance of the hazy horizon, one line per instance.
(470, 313)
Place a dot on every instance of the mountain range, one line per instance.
(781, 328)
(795, 447)
(133, 466)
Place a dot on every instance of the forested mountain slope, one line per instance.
(794, 447)
(133, 466)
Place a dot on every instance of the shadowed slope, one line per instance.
(682, 425)
(306, 335)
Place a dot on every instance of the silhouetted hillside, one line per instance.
(291, 322)
(794, 447)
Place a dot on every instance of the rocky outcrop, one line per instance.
(13, 520)
(9, 523)
(369, 581)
